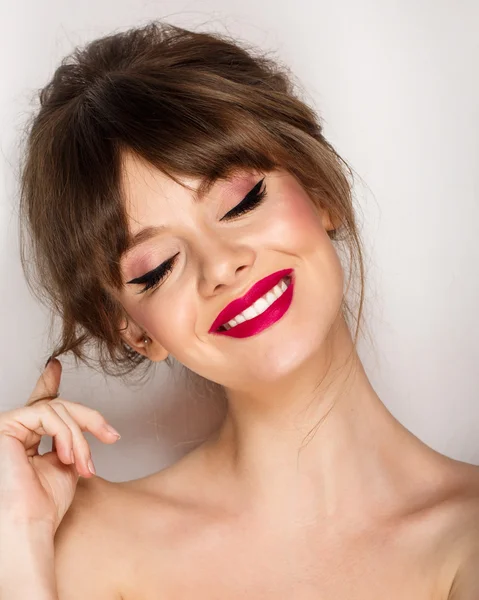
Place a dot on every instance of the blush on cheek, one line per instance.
(184, 313)
(177, 324)
(296, 222)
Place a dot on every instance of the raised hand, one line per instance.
(37, 487)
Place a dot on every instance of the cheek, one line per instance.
(296, 228)
(169, 320)
(172, 320)
(295, 222)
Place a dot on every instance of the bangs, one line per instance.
(194, 105)
(181, 130)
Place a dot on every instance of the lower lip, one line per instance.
(272, 314)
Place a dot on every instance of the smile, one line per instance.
(264, 304)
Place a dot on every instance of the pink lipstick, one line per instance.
(272, 314)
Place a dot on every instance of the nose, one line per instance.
(223, 264)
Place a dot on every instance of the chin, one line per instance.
(269, 361)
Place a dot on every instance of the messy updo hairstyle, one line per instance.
(190, 103)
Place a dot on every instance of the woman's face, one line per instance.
(218, 260)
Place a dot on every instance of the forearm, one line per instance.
(27, 566)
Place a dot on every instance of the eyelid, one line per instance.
(155, 277)
(138, 280)
(149, 274)
(255, 197)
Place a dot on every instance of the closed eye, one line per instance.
(250, 201)
(153, 278)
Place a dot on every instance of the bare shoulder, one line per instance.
(86, 549)
(109, 530)
(463, 533)
(465, 500)
(439, 523)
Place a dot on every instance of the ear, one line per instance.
(141, 342)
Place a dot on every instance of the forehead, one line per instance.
(141, 181)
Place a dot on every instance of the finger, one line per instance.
(79, 445)
(48, 383)
(39, 420)
(28, 424)
(63, 445)
(90, 419)
(81, 418)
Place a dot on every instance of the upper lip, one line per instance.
(256, 291)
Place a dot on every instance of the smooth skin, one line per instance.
(363, 510)
(157, 537)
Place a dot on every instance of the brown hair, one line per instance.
(191, 103)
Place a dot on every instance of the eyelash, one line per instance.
(253, 199)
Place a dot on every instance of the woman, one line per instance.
(181, 200)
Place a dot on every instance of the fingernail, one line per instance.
(113, 431)
(91, 468)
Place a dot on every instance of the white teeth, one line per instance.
(249, 312)
(276, 291)
(260, 305)
(270, 297)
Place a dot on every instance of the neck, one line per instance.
(319, 444)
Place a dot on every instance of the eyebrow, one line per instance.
(143, 235)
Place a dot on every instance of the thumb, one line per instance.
(48, 383)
